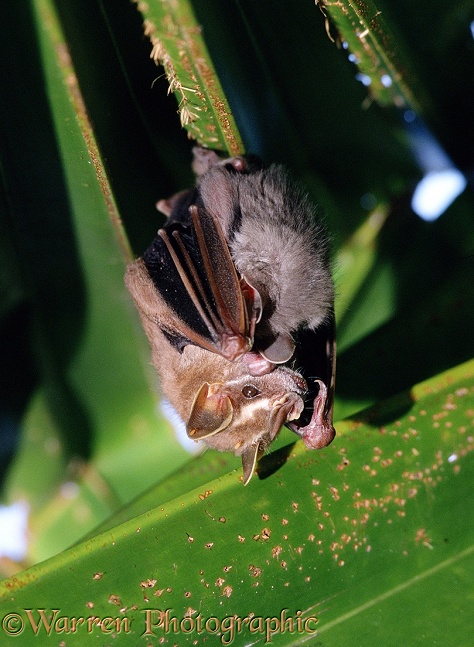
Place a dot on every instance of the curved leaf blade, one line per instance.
(337, 538)
(178, 45)
(376, 50)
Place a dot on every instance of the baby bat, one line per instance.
(238, 280)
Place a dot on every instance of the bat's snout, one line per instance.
(289, 407)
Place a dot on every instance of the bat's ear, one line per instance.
(167, 205)
(280, 351)
(211, 412)
(218, 193)
(249, 460)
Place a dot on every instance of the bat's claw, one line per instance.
(234, 346)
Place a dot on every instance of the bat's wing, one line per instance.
(317, 356)
(192, 269)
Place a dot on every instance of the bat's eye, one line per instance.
(250, 391)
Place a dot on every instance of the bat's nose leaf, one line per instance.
(249, 460)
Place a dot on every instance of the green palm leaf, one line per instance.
(369, 537)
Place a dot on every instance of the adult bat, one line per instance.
(238, 280)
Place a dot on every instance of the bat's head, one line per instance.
(245, 413)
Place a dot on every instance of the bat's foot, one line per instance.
(319, 435)
(206, 158)
(319, 432)
(203, 159)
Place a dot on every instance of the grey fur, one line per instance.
(276, 242)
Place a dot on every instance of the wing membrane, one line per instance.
(191, 266)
